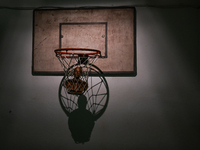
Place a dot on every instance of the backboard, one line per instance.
(110, 30)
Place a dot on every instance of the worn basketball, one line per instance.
(75, 86)
(77, 72)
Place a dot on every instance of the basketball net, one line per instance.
(76, 65)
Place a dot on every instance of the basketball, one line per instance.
(77, 72)
(76, 86)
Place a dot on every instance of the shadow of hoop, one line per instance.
(97, 94)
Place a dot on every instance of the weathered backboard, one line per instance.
(110, 30)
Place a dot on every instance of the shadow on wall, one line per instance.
(85, 105)
(81, 122)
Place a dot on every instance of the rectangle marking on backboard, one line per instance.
(91, 34)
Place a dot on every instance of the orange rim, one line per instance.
(89, 51)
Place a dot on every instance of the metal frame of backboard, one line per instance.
(133, 72)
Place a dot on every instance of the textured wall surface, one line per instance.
(157, 109)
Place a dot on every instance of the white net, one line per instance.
(70, 57)
(76, 64)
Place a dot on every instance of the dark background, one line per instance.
(157, 109)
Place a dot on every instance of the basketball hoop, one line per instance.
(76, 63)
(73, 56)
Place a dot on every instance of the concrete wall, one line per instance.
(157, 109)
